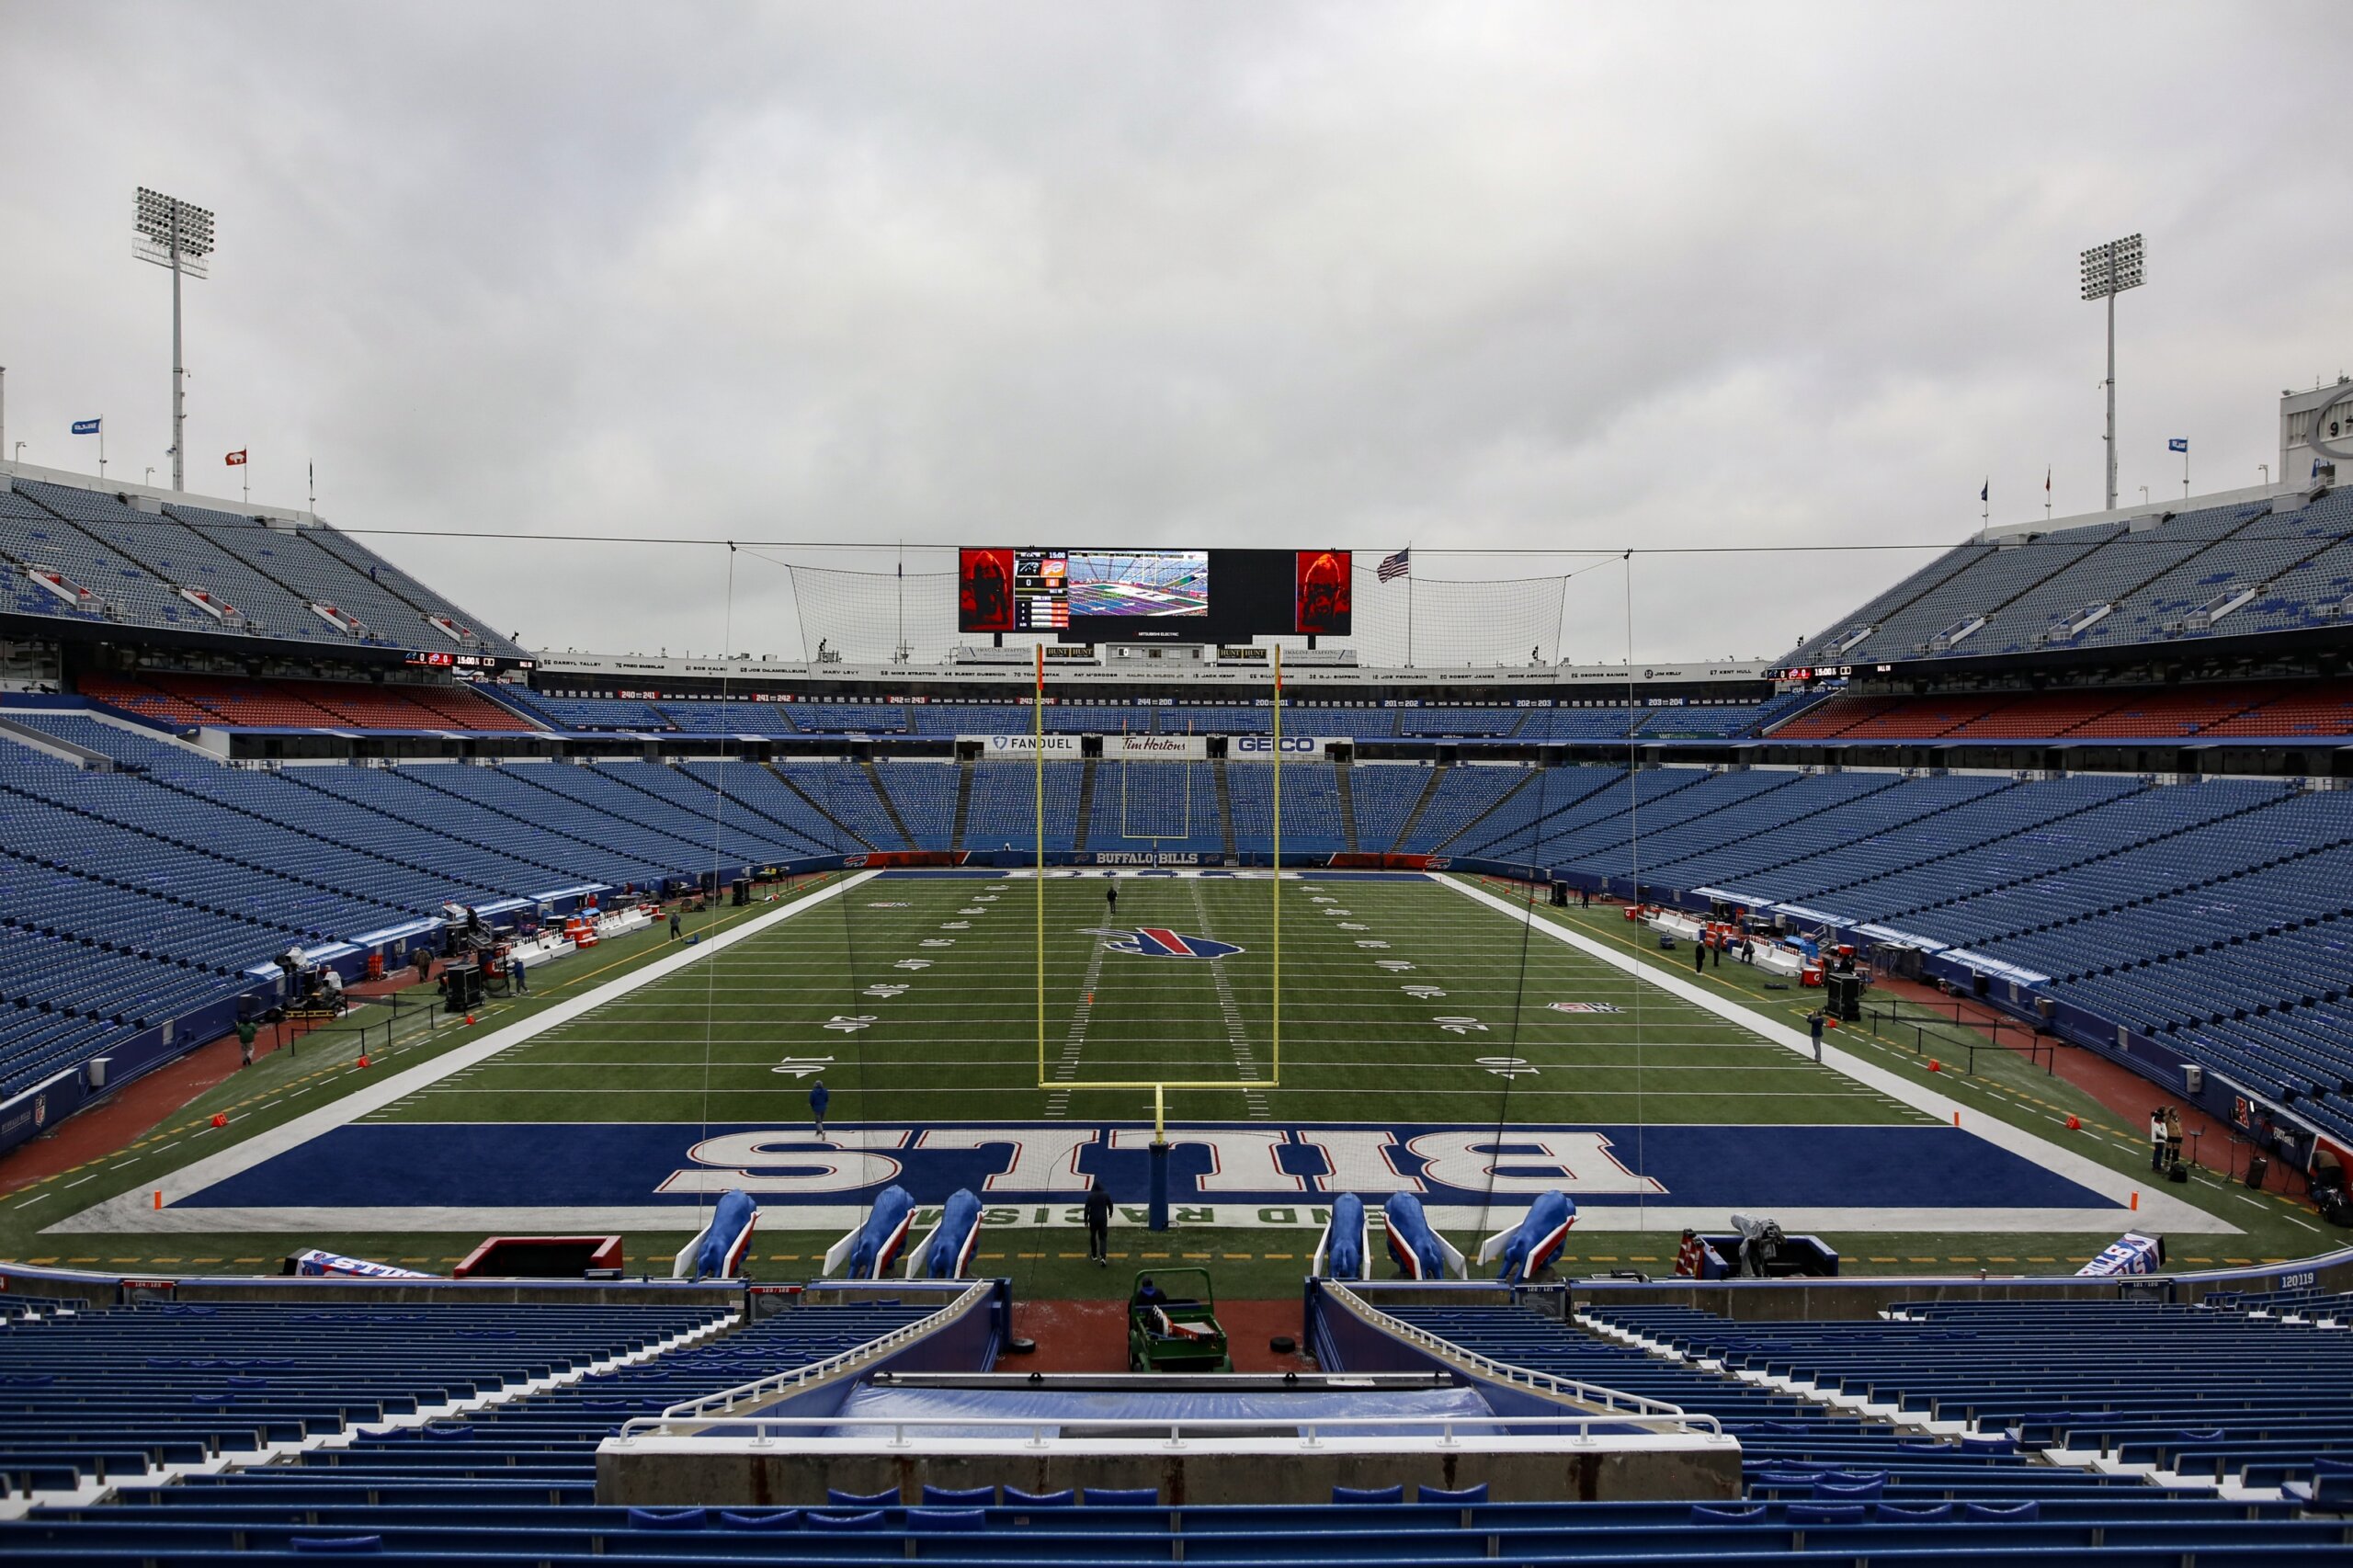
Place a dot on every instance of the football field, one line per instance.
(916, 999)
(1423, 1033)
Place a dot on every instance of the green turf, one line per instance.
(959, 1041)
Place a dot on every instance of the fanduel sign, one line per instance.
(1026, 745)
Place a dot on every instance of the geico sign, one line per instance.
(1267, 746)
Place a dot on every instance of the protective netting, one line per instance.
(1440, 615)
(1431, 621)
(875, 617)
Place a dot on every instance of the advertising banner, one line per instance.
(1263, 748)
(1025, 746)
(1162, 748)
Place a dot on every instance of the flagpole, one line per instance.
(1409, 603)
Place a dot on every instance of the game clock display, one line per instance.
(1191, 596)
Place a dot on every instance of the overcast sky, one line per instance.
(1497, 277)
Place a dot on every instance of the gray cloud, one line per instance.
(1499, 277)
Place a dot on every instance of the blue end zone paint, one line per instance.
(531, 1164)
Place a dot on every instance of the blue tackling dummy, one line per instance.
(717, 1251)
(1421, 1252)
(1529, 1247)
(2131, 1253)
(1344, 1251)
(872, 1247)
(314, 1262)
(947, 1252)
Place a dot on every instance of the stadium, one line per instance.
(1119, 1050)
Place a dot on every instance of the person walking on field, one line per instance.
(1699, 955)
(1111, 898)
(1814, 1022)
(2157, 1139)
(818, 1097)
(674, 925)
(2173, 1137)
(520, 986)
(246, 1032)
(1099, 1225)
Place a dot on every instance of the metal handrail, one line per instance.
(800, 1377)
(1101, 1428)
(1505, 1372)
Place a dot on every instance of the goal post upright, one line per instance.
(1275, 878)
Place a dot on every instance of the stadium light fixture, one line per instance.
(177, 235)
(2108, 271)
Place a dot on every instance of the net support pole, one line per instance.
(1038, 758)
(1275, 999)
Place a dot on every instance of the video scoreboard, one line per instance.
(1171, 595)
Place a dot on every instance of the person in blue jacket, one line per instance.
(818, 1095)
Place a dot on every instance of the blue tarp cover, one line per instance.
(1057, 1408)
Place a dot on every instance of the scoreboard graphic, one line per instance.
(1195, 595)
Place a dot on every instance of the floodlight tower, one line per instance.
(2108, 270)
(176, 235)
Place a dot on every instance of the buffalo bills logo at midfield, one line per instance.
(1157, 942)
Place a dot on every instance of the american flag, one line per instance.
(1395, 565)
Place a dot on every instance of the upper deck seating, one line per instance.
(136, 563)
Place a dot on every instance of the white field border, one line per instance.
(134, 1210)
(2159, 1211)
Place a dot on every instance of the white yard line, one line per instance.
(2158, 1211)
(1245, 1060)
(133, 1210)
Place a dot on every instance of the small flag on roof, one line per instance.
(1397, 565)
(87, 426)
(237, 458)
(2178, 444)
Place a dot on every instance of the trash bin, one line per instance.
(2257, 1169)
